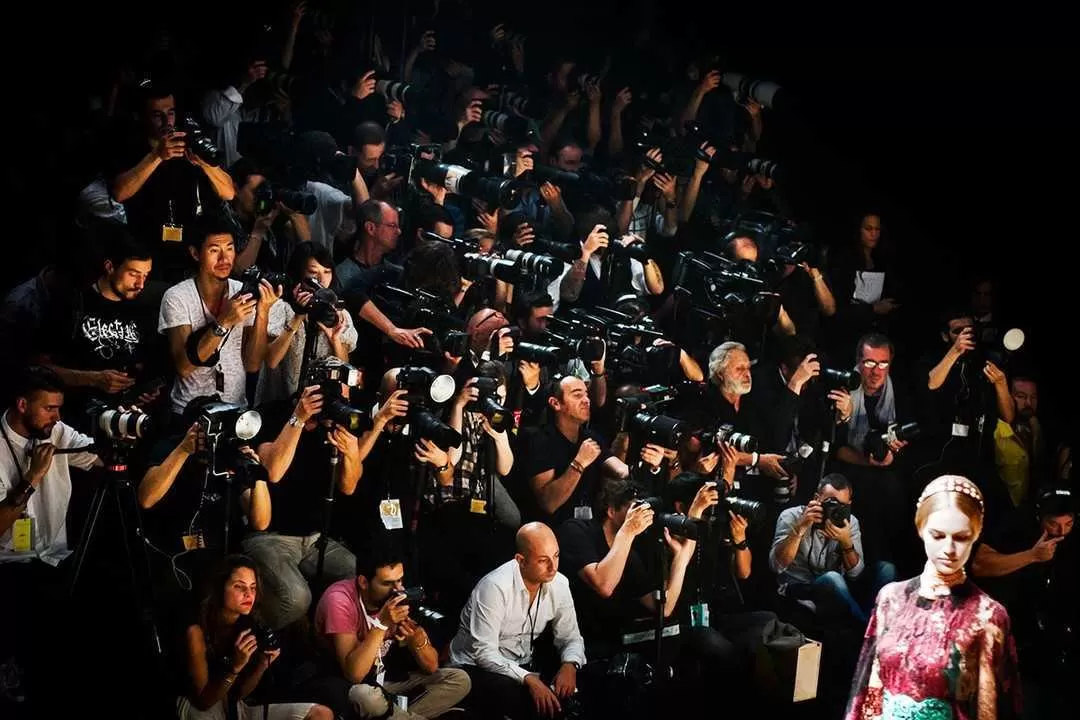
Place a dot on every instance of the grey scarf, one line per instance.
(885, 412)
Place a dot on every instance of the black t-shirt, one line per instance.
(194, 505)
(548, 449)
(297, 499)
(177, 180)
(582, 543)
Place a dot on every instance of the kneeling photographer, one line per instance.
(614, 577)
(817, 554)
(312, 451)
(471, 508)
(204, 486)
(721, 623)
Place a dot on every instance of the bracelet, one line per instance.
(577, 466)
(741, 545)
(754, 457)
(427, 641)
(22, 496)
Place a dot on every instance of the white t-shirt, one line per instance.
(282, 381)
(182, 305)
(329, 215)
(48, 505)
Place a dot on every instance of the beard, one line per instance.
(736, 387)
(1025, 414)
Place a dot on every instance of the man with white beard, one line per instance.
(729, 385)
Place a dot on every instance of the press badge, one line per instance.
(193, 542)
(583, 512)
(172, 233)
(390, 513)
(22, 534)
(699, 615)
(959, 430)
(478, 506)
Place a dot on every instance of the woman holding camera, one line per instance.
(226, 653)
(309, 265)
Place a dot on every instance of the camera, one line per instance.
(115, 424)
(424, 389)
(877, 444)
(198, 142)
(530, 264)
(267, 638)
(659, 430)
(268, 194)
(394, 90)
(223, 422)
(413, 597)
(749, 510)
(324, 303)
(542, 354)
(246, 469)
(493, 189)
(726, 434)
(489, 406)
(589, 347)
(675, 523)
(330, 374)
(251, 278)
(566, 252)
(834, 379)
(836, 512)
(512, 126)
(763, 92)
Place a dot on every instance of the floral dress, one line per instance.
(948, 658)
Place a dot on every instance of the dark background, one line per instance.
(953, 126)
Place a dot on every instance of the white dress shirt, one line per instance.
(49, 504)
(499, 624)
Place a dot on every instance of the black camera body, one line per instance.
(331, 374)
(323, 306)
(836, 512)
(251, 278)
(675, 523)
(662, 430)
(425, 390)
(269, 194)
(877, 443)
(264, 636)
(198, 142)
(726, 433)
(489, 405)
(835, 379)
(414, 597)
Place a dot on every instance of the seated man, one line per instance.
(509, 608)
(818, 560)
(364, 624)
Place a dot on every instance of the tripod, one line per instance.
(117, 484)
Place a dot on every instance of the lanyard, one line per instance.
(14, 457)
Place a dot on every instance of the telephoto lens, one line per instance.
(738, 441)
(117, 424)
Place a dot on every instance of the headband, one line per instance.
(952, 483)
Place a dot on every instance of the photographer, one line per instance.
(1020, 447)
(201, 317)
(564, 462)
(611, 582)
(367, 145)
(295, 449)
(268, 239)
(162, 182)
(186, 487)
(730, 381)
(103, 342)
(336, 195)
(362, 626)
(227, 653)
(654, 207)
(817, 555)
(742, 247)
(288, 326)
(964, 396)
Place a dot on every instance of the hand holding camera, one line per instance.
(652, 455)
(842, 402)
(236, 311)
(430, 453)
(524, 235)
(771, 465)
(469, 393)
(808, 369)
(170, 146)
(394, 610)
(665, 183)
(842, 534)
(523, 161)
(245, 646)
(707, 496)
(710, 82)
(396, 406)
(597, 239)
(813, 514)
(345, 442)
(530, 374)
(638, 519)
(737, 525)
(190, 444)
(622, 100)
(994, 374)
(365, 85)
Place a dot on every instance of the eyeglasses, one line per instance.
(872, 364)
(395, 226)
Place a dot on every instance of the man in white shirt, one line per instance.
(216, 334)
(509, 608)
(35, 488)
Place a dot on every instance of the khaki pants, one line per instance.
(441, 690)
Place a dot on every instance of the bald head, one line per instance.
(537, 553)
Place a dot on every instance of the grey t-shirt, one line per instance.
(181, 305)
(817, 554)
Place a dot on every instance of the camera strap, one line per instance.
(15, 457)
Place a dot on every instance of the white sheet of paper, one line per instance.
(868, 286)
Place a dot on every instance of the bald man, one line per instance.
(510, 607)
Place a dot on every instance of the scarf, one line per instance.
(860, 424)
(933, 585)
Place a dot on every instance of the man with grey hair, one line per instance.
(730, 384)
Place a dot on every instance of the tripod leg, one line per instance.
(88, 534)
(138, 563)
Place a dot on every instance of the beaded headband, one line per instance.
(952, 483)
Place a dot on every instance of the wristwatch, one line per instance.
(219, 329)
(296, 422)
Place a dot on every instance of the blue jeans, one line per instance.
(873, 578)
